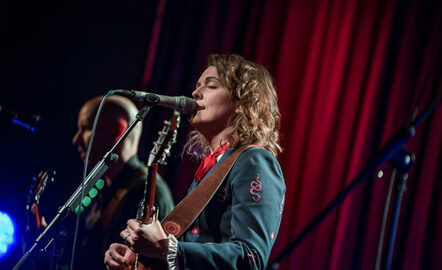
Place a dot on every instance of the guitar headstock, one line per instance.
(38, 186)
(167, 137)
(158, 155)
(36, 189)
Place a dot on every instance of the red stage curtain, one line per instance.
(349, 74)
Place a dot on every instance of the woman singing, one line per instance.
(237, 105)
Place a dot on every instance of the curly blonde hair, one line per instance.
(254, 98)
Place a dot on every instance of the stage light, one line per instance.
(8, 235)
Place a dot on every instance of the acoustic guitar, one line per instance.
(147, 212)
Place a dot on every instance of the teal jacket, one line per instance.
(238, 227)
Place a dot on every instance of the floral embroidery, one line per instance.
(251, 256)
(195, 231)
(282, 204)
(255, 187)
(221, 195)
(272, 235)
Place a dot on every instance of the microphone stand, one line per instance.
(402, 163)
(387, 152)
(74, 201)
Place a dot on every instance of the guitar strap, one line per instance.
(185, 213)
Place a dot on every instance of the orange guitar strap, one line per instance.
(185, 213)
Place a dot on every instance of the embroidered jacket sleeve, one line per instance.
(238, 227)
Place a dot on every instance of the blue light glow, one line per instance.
(8, 235)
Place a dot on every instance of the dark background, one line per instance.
(55, 56)
(349, 74)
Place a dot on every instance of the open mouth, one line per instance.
(198, 108)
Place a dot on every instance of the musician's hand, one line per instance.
(44, 224)
(149, 240)
(119, 256)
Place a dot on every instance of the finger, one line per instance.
(133, 224)
(130, 241)
(132, 231)
(117, 253)
(115, 266)
(111, 263)
(127, 237)
(129, 257)
(115, 257)
(44, 224)
(124, 234)
(150, 220)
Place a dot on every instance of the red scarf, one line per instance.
(208, 162)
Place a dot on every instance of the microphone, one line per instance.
(182, 104)
(26, 121)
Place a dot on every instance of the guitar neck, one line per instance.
(158, 154)
(151, 184)
(146, 209)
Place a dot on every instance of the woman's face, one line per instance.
(214, 104)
